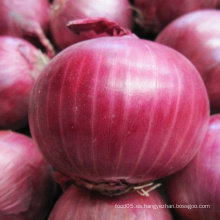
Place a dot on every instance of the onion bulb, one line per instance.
(27, 188)
(154, 15)
(64, 11)
(27, 19)
(114, 112)
(20, 65)
(198, 184)
(197, 36)
(81, 204)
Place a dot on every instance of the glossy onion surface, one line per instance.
(27, 188)
(199, 183)
(113, 112)
(77, 204)
(64, 11)
(197, 36)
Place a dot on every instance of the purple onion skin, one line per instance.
(81, 204)
(27, 19)
(156, 14)
(20, 65)
(27, 189)
(199, 182)
(64, 11)
(118, 111)
(196, 35)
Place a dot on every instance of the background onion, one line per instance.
(199, 183)
(28, 19)
(197, 36)
(64, 11)
(114, 112)
(20, 65)
(76, 203)
(27, 188)
(154, 15)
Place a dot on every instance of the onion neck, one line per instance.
(99, 25)
(106, 188)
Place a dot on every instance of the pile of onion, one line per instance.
(27, 188)
(199, 183)
(154, 15)
(115, 112)
(20, 65)
(27, 19)
(197, 36)
(77, 204)
(64, 11)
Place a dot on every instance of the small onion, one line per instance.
(27, 188)
(20, 65)
(154, 15)
(197, 36)
(115, 112)
(77, 204)
(199, 183)
(27, 19)
(62, 12)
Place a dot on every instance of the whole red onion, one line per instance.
(199, 183)
(64, 11)
(154, 15)
(28, 19)
(77, 204)
(20, 65)
(115, 112)
(27, 188)
(197, 36)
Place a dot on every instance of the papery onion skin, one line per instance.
(27, 189)
(199, 182)
(20, 65)
(154, 15)
(81, 204)
(197, 36)
(64, 11)
(27, 19)
(114, 112)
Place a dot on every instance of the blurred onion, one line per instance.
(20, 65)
(28, 19)
(77, 204)
(64, 11)
(199, 183)
(197, 36)
(27, 188)
(154, 15)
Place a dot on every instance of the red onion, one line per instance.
(197, 36)
(77, 204)
(199, 183)
(154, 15)
(28, 19)
(64, 11)
(27, 188)
(20, 65)
(115, 112)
